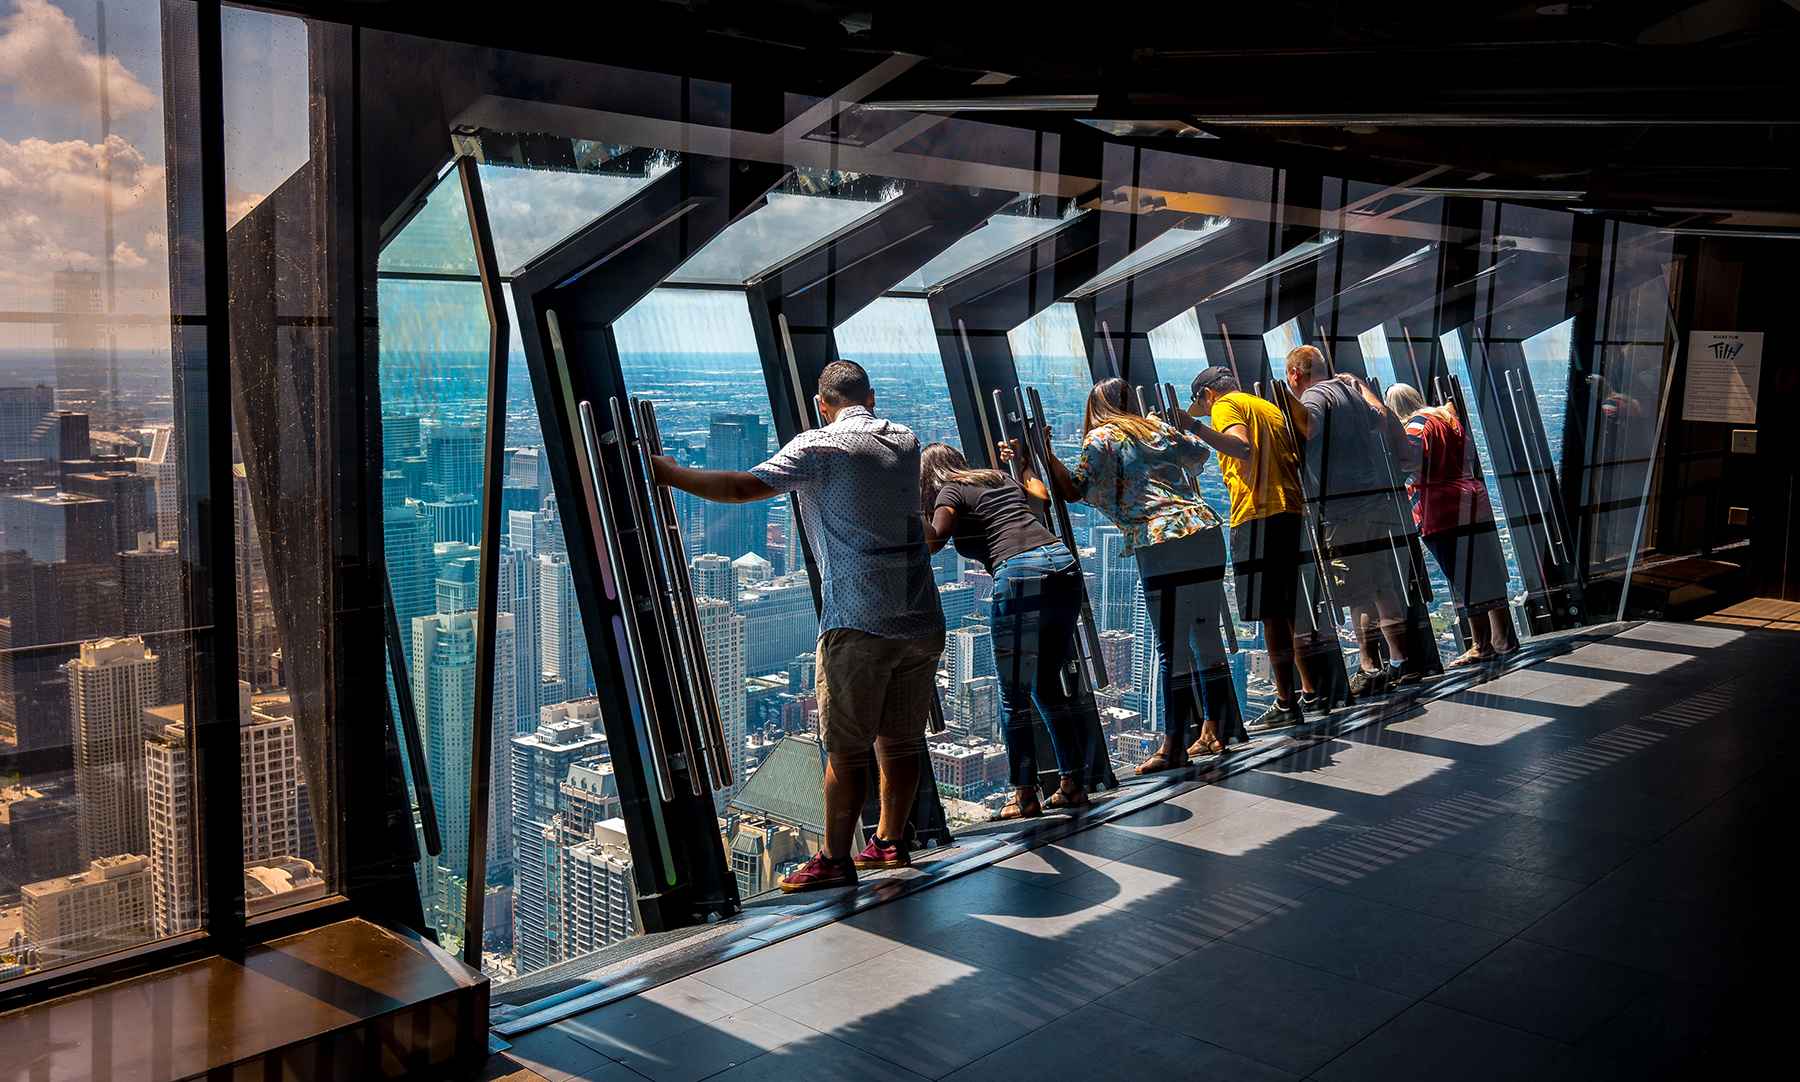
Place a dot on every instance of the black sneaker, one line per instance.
(1400, 676)
(1368, 683)
(1319, 705)
(1276, 716)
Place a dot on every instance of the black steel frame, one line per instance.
(567, 301)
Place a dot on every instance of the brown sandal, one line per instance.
(1061, 801)
(1018, 809)
(1203, 746)
(1158, 762)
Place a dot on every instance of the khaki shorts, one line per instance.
(874, 687)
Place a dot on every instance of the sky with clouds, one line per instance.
(56, 165)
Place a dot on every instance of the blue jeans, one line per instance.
(1184, 594)
(1037, 609)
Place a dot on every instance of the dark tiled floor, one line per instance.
(1566, 872)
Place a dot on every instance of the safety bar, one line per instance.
(1088, 641)
(666, 634)
(628, 603)
(713, 739)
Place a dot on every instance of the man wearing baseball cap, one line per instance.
(1257, 457)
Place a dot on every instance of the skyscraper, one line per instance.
(779, 622)
(59, 527)
(130, 496)
(444, 696)
(1116, 653)
(269, 757)
(539, 765)
(151, 603)
(1117, 576)
(105, 907)
(737, 442)
(599, 900)
(565, 651)
(958, 602)
(412, 574)
(454, 518)
(163, 466)
(969, 653)
(1145, 695)
(714, 576)
(110, 684)
(257, 641)
(21, 408)
(518, 595)
(453, 458)
(722, 633)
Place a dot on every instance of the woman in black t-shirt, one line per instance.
(1037, 603)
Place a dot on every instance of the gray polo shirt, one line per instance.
(1345, 454)
(858, 483)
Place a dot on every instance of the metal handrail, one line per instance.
(628, 621)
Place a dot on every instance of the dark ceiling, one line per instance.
(1670, 109)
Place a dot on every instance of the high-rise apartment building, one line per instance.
(270, 775)
(1116, 653)
(110, 684)
(722, 634)
(517, 594)
(150, 601)
(599, 900)
(565, 651)
(105, 907)
(969, 653)
(714, 576)
(37, 834)
(444, 696)
(163, 466)
(737, 441)
(539, 765)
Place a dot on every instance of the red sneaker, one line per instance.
(819, 873)
(881, 853)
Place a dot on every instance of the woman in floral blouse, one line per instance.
(1138, 472)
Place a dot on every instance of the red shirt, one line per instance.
(1445, 493)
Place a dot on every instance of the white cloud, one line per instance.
(238, 204)
(52, 217)
(44, 60)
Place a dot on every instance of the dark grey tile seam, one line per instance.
(1561, 1045)
(1113, 1010)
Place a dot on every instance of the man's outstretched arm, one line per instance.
(720, 486)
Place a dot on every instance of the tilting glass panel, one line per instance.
(531, 210)
(808, 208)
(1548, 355)
(1180, 352)
(1457, 359)
(1000, 233)
(693, 352)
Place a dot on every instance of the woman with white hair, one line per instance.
(1456, 521)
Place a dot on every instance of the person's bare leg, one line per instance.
(846, 787)
(1392, 615)
(899, 761)
(1278, 633)
(1505, 640)
(1368, 635)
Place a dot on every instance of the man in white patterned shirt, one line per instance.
(881, 630)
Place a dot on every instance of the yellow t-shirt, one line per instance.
(1268, 482)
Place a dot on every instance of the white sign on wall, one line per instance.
(1723, 371)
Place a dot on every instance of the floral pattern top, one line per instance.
(1139, 486)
